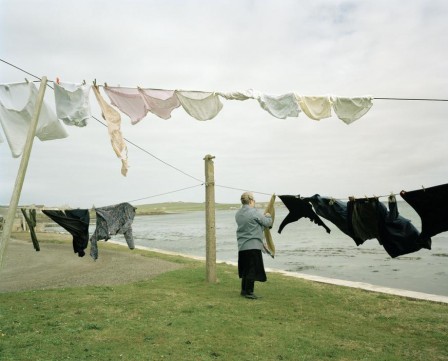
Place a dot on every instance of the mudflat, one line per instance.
(57, 266)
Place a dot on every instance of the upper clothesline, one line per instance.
(72, 104)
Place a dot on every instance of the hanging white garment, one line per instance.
(113, 119)
(72, 103)
(129, 101)
(160, 102)
(200, 105)
(238, 95)
(315, 107)
(351, 109)
(17, 103)
(281, 106)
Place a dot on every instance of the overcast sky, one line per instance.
(347, 48)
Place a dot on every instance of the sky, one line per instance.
(318, 47)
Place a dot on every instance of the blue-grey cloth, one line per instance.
(251, 224)
(335, 211)
(111, 220)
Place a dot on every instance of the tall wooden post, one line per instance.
(7, 228)
(210, 226)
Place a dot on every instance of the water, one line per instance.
(306, 248)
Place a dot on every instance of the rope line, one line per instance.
(152, 155)
(162, 194)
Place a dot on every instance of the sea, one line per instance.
(304, 247)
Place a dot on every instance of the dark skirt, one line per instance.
(251, 266)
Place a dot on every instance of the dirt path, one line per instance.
(56, 266)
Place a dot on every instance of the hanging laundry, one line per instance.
(397, 234)
(72, 103)
(281, 106)
(316, 108)
(112, 220)
(30, 219)
(431, 204)
(17, 103)
(269, 246)
(351, 109)
(363, 218)
(238, 95)
(299, 208)
(200, 105)
(129, 101)
(160, 102)
(335, 211)
(113, 120)
(76, 222)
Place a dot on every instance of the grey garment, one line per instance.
(113, 220)
(251, 224)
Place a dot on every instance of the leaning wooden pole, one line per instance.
(210, 226)
(7, 228)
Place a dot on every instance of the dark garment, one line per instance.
(299, 208)
(363, 218)
(431, 204)
(76, 222)
(371, 219)
(397, 234)
(251, 266)
(336, 212)
(31, 221)
(113, 220)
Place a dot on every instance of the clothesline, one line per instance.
(189, 175)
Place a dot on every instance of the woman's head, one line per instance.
(247, 198)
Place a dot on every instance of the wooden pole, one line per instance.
(7, 228)
(210, 226)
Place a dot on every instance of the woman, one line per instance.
(251, 224)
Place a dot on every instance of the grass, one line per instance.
(178, 316)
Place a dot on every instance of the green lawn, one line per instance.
(178, 316)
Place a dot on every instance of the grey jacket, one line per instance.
(251, 224)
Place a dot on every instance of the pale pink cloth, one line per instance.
(160, 102)
(113, 120)
(129, 101)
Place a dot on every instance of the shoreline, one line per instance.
(334, 281)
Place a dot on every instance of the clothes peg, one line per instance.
(27, 81)
(83, 82)
(423, 188)
(105, 84)
(332, 201)
(94, 82)
(57, 80)
(351, 198)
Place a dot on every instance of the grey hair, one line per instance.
(246, 197)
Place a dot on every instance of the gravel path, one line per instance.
(56, 266)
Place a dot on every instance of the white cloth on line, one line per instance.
(351, 109)
(72, 103)
(17, 103)
(238, 95)
(129, 101)
(280, 106)
(315, 107)
(200, 105)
